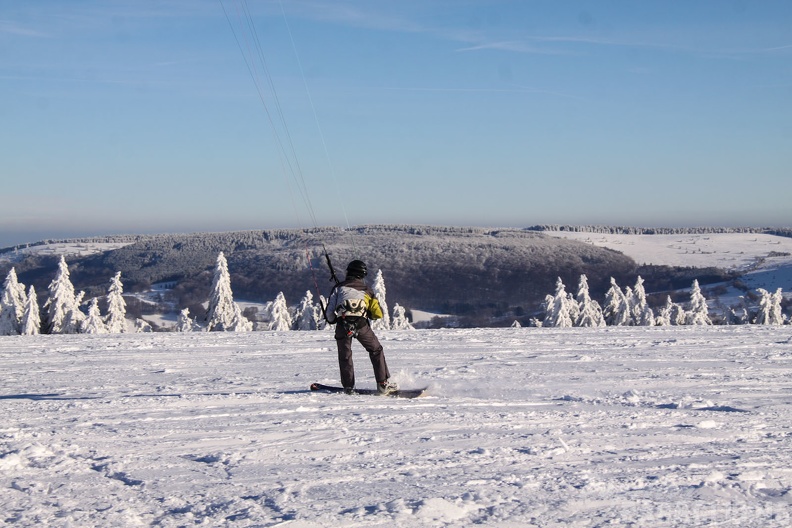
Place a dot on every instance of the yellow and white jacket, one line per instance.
(352, 298)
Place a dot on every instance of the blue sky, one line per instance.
(143, 116)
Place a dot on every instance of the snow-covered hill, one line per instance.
(68, 249)
(664, 426)
(730, 251)
(766, 260)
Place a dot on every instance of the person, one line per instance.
(350, 306)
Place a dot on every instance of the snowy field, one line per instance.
(664, 426)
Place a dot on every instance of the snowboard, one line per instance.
(401, 393)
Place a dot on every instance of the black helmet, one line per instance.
(357, 268)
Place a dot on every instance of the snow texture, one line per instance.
(631, 426)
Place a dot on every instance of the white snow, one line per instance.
(657, 426)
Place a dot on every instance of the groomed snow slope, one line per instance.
(673, 426)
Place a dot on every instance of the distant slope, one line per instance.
(453, 270)
(731, 251)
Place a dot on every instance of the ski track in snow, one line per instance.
(674, 426)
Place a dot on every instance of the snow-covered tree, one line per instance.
(239, 322)
(698, 313)
(63, 306)
(664, 314)
(560, 311)
(589, 310)
(93, 323)
(116, 306)
(616, 310)
(76, 317)
(142, 326)
(378, 288)
(572, 308)
(307, 315)
(323, 324)
(223, 313)
(280, 318)
(31, 318)
(739, 315)
(642, 315)
(12, 305)
(769, 308)
(629, 298)
(185, 323)
(400, 321)
(678, 315)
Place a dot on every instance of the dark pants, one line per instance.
(365, 336)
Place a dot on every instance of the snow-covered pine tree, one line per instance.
(572, 308)
(698, 313)
(184, 322)
(400, 321)
(63, 306)
(93, 323)
(629, 298)
(31, 318)
(12, 305)
(664, 314)
(239, 323)
(559, 307)
(220, 312)
(739, 315)
(778, 297)
(769, 308)
(642, 314)
(307, 315)
(223, 313)
(281, 319)
(589, 310)
(378, 288)
(550, 309)
(116, 306)
(76, 317)
(678, 315)
(616, 310)
(142, 326)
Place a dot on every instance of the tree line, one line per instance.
(66, 311)
(632, 230)
(629, 307)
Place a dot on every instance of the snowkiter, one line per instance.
(351, 305)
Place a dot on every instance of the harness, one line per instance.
(351, 316)
(351, 325)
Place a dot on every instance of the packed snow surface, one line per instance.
(665, 426)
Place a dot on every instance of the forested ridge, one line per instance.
(465, 271)
(632, 230)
